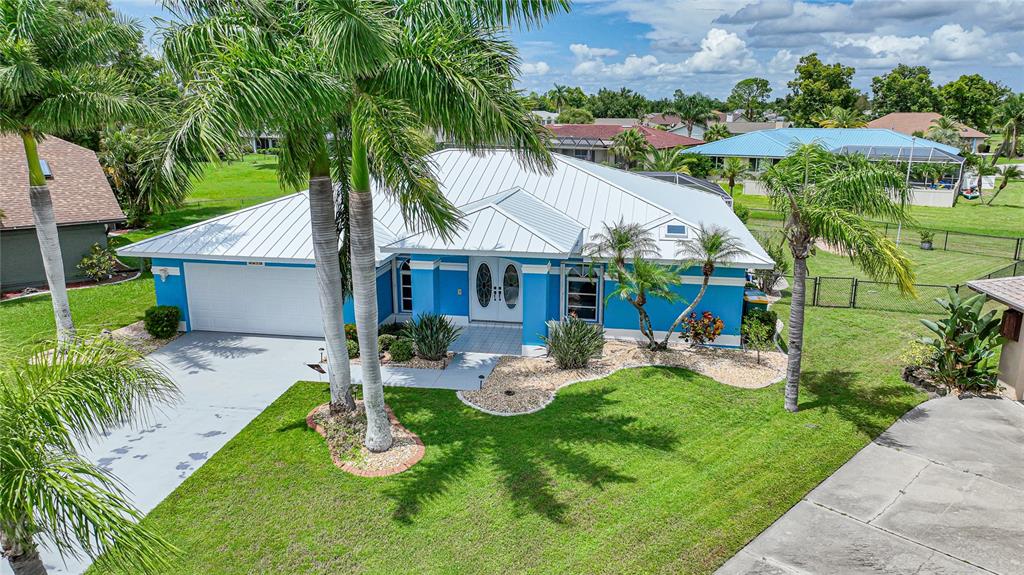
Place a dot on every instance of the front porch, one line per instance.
(494, 338)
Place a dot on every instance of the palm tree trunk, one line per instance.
(686, 312)
(796, 332)
(364, 291)
(995, 194)
(328, 280)
(49, 241)
(23, 559)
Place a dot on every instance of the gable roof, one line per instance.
(79, 189)
(509, 207)
(660, 139)
(910, 122)
(776, 143)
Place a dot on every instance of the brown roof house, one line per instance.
(592, 141)
(83, 204)
(917, 124)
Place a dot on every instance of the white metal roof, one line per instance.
(543, 214)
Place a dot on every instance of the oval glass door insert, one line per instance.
(484, 284)
(510, 286)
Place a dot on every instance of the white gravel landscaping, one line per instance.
(520, 385)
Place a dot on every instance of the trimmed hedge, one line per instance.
(401, 349)
(161, 321)
(353, 348)
(385, 340)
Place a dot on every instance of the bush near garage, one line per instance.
(161, 321)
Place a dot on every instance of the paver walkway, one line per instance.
(940, 492)
(226, 380)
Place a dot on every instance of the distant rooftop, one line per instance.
(910, 122)
(777, 143)
(595, 135)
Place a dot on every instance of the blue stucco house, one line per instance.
(517, 261)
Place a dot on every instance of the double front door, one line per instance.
(495, 290)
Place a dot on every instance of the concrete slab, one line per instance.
(226, 380)
(941, 491)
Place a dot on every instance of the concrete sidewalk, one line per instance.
(940, 492)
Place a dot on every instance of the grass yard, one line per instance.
(648, 470)
(930, 266)
(29, 321)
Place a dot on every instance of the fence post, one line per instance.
(945, 242)
(1016, 251)
(814, 292)
(853, 293)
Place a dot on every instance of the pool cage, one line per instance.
(919, 155)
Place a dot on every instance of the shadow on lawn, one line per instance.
(526, 451)
(871, 409)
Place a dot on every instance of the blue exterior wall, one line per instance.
(171, 291)
(453, 294)
(537, 305)
(385, 297)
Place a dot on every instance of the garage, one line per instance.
(253, 297)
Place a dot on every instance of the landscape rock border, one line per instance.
(418, 451)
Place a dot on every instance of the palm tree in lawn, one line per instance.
(49, 406)
(944, 131)
(734, 169)
(692, 109)
(391, 70)
(641, 281)
(1010, 173)
(1010, 119)
(54, 79)
(839, 117)
(667, 160)
(710, 247)
(825, 197)
(975, 162)
(716, 131)
(630, 147)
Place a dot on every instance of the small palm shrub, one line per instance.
(401, 349)
(385, 340)
(161, 321)
(703, 329)
(353, 348)
(573, 342)
(99, 263)
(965, 344)
(432, 334)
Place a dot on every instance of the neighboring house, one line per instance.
(766, 147)
(667, 122)
(545, 117)
(736, 123)
(917, 123)
(263, 141)
(518, 260)
(83, 204)
(692, 182)
(591, 142)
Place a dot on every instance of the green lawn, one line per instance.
(931, 267)
(649, 470)
(29, 321)
(1003, 218)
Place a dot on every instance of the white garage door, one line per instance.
(253, 299)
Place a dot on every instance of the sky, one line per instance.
(657, 46)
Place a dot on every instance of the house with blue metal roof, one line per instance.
(518, 261)
(766, 147)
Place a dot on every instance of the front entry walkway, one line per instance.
(490, 337)
(226, 380)
(940, 492)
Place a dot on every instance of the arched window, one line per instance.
(405, 288)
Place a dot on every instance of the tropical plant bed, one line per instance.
(344, 431)
(116, 277)
(520, 385)
(415, 362)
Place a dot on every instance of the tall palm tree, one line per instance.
(839, 117)
(630, 147)
(1009, 173)
(640, 281)
(1010, 119)
(944, 131)
(619, 242)
(716, 131)
(559, 95)
(54, 79)
(49, 405)
(831, 198)
(693, 110)
(377, 75)
(734, 169)
(710, 247)
(667, 160)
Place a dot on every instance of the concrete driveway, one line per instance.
(226, 380)
(940, 492)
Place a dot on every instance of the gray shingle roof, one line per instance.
(1007, 291)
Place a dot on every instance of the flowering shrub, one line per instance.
(99, 264)
(703, 329)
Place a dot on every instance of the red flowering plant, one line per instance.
(702, 330)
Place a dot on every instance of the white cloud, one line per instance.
(953, 42)
(720, 51)
(783, 61)
(585, 52)
(886, 45)
(535, 68)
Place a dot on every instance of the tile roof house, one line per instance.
(911, 123)
(83, 204)
(592, 141)
(518, 259)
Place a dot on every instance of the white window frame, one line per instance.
(673, 235)
(597, 271)
(399, 274)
